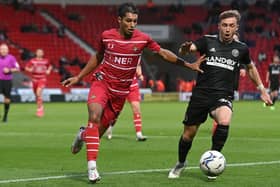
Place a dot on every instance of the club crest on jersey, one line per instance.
(235, 53)
(135, 49)
(92, 96)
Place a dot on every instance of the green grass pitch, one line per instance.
(36, 151)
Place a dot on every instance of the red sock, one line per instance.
(91, 138)
(137, 122)
(39, 102)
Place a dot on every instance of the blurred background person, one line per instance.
(272, 78)
(8, 65)
(39, 67)
(134, 99)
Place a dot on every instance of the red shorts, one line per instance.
(39, 83)
(112, 104)
(134, 94)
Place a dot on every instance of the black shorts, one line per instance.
(203, 102)
(274, 86)
(6, 87)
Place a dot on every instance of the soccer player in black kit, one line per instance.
(272, 78)
(214, 90)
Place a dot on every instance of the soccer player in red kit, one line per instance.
(39, 67)
(134, 99)
(118, 54)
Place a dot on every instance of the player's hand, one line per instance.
(70, 81)
(242, 72)
(141, 77)
(48, 72)
(266, 98)
(6, 70)
(196, 65)
(185, 48)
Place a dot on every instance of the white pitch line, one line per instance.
(191, 167)
(40, 178)
(201, 137)
(130, 172)
(2, 134)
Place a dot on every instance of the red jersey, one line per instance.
(40, 67)
(121, 57)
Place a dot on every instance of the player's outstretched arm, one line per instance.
(255, 77)
(49, 70)
(171, 57)
(90, 66)
(139, 72)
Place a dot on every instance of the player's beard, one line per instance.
(129, 33)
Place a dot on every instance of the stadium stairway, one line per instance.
(55, 22)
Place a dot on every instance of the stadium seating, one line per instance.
(91, 22)
(54, 46)
(88, 21)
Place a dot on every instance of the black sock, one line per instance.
(219, 137)
(274, 100)
(183, 149)
(6, 110)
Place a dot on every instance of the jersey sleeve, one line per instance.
(201, 45)
(246, 57)
(153, 45)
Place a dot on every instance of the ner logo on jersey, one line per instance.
(123, 60)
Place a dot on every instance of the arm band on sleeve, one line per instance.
(180, 61)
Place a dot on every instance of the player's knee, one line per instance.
(7, 100)
(189, 133)
(95, 118)
(187, 137)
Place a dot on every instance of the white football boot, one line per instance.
(140, 137)
(93, 175)
(78, 142)
(177, 170)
